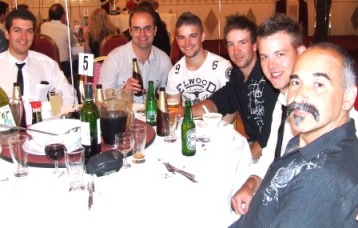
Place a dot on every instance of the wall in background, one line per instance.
(344, 19)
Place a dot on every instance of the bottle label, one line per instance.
(85, 133)
(151, 116)
(99, 133)
(190, 139)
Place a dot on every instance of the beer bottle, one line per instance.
(162, 114)
(188, 133)
(99, 96)
(90, 125)
(17, 106)
(137, 75)
(151, 105)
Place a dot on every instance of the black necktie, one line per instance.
(20, 79)
(280, 133)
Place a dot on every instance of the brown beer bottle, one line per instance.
(162, 114)
(137, 75)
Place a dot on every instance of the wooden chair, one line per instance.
(239, 126)
(46, 45)
(111, 42)
(97, 64)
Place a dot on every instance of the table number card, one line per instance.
(85, 64)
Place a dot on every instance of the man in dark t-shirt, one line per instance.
(248, 92)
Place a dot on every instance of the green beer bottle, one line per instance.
(90, 125)
(188, 133)
(151, 105)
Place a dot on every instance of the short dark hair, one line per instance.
(281, 23)
(19, 14)
(55, 12)
(240, 22)
(188, 18)
(3, 7)
(142, 10)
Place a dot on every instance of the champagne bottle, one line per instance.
(188, 133)
(162, 114)
(17, 106)
(99, 96)
(151, 105)
(137, 75)
(90, 125)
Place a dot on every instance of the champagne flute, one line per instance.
(124, 143)
(55, 151)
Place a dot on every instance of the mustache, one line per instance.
(303, 107)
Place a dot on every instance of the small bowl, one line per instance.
(57, 126)
(212, 119)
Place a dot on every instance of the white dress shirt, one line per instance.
(261, 165)
(117, 68)
(38, 68)
(58, 32)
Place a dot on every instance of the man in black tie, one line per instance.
(279, 43)
(315, 184)
(29, 68)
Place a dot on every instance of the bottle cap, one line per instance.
(16, 84)
(35, 104)
(99, 86)
(162, 89)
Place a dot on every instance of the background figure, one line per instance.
(161, 39)
(99, 26)
(3, 42)
(56, 28)
(23, 6)
(4, 7)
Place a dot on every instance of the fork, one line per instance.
(173, 169)
(91, 189)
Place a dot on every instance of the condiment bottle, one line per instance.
(36, 111)
(137, 75)
(162, 114)
(188, 132)
(90, 125)
(151, 105)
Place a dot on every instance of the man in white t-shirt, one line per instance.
(199, 73)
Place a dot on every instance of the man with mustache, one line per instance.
(315, 184)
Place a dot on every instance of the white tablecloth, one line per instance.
(145, 195)
(121, 21)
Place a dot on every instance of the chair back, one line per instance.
(111, 42)
(97, 64)
(46, 45)
(175, 53)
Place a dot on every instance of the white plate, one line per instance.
(33, 148)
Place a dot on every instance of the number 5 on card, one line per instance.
(85, 64)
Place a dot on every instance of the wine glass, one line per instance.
(55, 151)
(124, 143)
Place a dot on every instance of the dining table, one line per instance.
(121, 21)
(144, 195)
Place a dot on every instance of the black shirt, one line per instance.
(312, 186)
(254, 99)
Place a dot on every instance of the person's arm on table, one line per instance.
(240, 202)
(256, 150)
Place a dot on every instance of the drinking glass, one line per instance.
(55, 151)
(173, 121)
(124, 144)
(55, 101)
